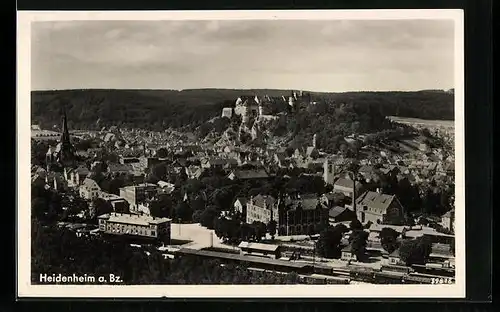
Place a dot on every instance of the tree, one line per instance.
(423, 221)
(198, 204)
(246, 231)
(39, 208)
(368, 224)
(358, 240)
(101, 207)
(388, 239)
(355, 225)
(260, 229)
(222, 198)
(158, 172)
(208, 217)
(197, 216)
(162, 153)
(415, 251)
(271, 228)
(329, 241)
(183, 211)
(161, 207)
(221, 228)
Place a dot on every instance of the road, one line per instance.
(199, 236)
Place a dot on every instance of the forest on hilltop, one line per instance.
(161, 109)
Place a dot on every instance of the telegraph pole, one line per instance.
(314, 255)
(353, 192)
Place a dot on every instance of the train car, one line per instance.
(416, 279)
(362, 274)
(439, 271)
(389, 277)
(323, 280)
(338, 280)
(396, 268)
(257, 262)
(323, 270)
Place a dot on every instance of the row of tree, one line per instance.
(161, 109)
(411, 251)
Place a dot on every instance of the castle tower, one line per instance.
(257, 100)
(328, 171)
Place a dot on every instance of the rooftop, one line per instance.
(336, 211)
(133, 219)
(250, 174)
(258, 246)
(375, 200)
(263, 200)
(251, 259)
(306, 202)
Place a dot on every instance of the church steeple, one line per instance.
(66, 151)
(65, 132)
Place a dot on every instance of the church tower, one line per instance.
(67, 150)
(328, 171)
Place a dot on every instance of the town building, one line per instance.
(240, 205)
(120, 168)
(448, 220)
(395, 258)
(329, 171)
(250, 174)
(260, 250)
(379, 208)
(340, 214)
(136, 225)
(118, 203)
(89, 189)
(261, 208)
(227, 112)
(302, 214)
(218, 163)
(347, 254)
(56, 181)
(346, 187)
(137, 194)
(76, 176)
(129, 160)
(246, 107)
(44, 135)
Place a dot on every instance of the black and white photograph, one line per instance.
(241, 154)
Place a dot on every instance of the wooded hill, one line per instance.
(160, 109)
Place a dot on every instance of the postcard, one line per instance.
(241, 154)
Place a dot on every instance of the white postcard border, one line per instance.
(24, 287)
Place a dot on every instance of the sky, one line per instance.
(313, 55)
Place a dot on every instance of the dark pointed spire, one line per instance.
(66, 153)
(65, 132)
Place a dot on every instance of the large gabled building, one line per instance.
(379, 208)
(136, 226)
